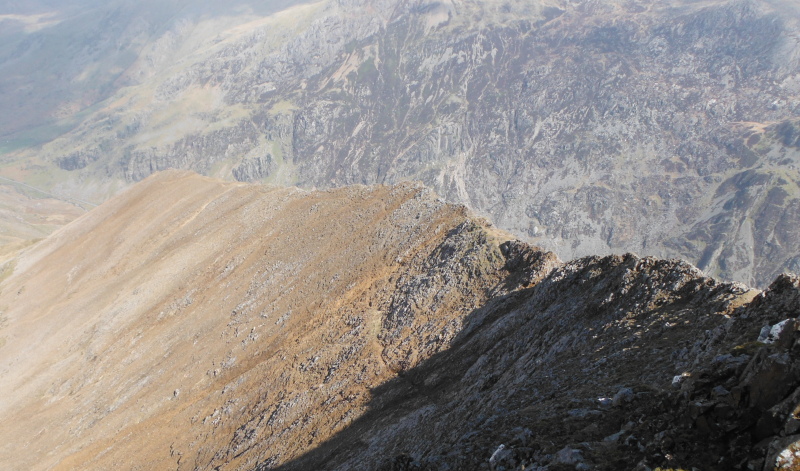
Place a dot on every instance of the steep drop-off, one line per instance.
(194, 324)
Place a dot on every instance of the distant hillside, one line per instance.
(666, 128)
(194, 324)
(60, 59)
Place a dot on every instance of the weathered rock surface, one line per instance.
(531, 375)
(195, 324)
(256, 168)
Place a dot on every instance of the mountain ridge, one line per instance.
(113, 281)
(190, 323)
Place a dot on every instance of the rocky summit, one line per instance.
(195, 324)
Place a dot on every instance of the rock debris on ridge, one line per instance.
(194, 324)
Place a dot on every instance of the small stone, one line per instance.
(678, 380)
(720, 392)
(568, 456)
(629, 426)
(763, 336)
(724, 411)
(584, 413)
(615, 438)
(782, 453)
(698, 408)
(771, 334)
(501, 456)
(769, 379)
(605, 402)
(623, 396)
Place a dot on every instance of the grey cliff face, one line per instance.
(665, 129)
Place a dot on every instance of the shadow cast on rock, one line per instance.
(576, 371)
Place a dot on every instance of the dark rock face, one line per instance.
(77, 160)
(203, 150)
(256, 168)
(576, 372)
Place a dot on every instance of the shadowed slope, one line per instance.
(578, 372)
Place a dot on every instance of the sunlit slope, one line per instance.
(153, 327)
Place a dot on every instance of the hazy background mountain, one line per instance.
(665, 128)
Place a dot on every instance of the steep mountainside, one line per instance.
(668, 128)
(194, 324)
(187, 307)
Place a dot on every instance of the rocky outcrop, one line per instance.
(615, 362)
(77, 160)
(256, 168)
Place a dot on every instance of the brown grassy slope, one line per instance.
(24, 220)
(190, 323)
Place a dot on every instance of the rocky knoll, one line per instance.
(194, 324)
